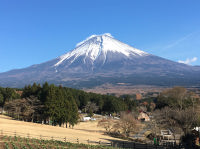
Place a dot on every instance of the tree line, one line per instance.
(7, 94)
(58, 105)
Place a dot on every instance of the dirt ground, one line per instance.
(81, 132)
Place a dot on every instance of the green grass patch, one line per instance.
(26, 143)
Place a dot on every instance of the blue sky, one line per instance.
(35, 31)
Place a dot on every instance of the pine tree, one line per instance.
(1, 100)
(44, 92)
(73, 112)
(50, 104)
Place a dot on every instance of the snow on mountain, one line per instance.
(101, 59)
(97, 45)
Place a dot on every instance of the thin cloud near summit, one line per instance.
(188, 61)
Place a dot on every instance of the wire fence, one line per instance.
(113, 143)
(53, 138)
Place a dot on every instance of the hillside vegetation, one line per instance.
(58, 105)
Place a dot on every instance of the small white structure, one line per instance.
(167, 133)
(167, 136)
(197, 129)
(84, 119)
(93, 119)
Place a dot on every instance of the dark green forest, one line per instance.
(58, 104)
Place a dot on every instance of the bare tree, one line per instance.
(176, 120)
(127, 124)
(186, 119)
(163, 120)
(24, 109)
(14, 108)
(107, 124)
(175, 97)
(91, 107)
(194, 98)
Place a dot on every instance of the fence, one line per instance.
(113, 143)
(63, 139)
(134, 145)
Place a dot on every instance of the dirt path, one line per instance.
(83, 131)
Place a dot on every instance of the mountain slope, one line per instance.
(102, 59)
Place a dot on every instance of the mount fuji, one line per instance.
(103, 59)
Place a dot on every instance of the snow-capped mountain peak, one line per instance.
(101, 59)
(93, 36)
(97, 45)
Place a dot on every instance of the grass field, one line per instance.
(82, 132)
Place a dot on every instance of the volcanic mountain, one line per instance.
(102, 59)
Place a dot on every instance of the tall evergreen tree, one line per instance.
(1, 100)
(50, 104)
(73, 113)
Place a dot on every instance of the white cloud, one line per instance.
(188, 61)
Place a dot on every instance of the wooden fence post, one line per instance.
(134, 145)
(77, 140)
(40, 137)
(99, 142)
(15, 133)
(116, 145)
(88, 141)
(65, 139)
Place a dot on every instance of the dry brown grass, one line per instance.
(124, 89)
(83, 131)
